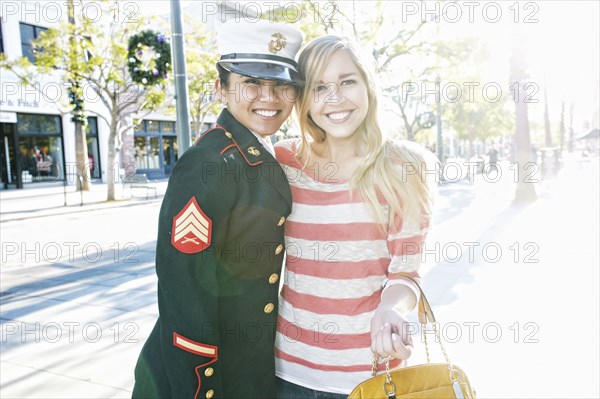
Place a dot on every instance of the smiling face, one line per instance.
(339, 98)
(260, 105)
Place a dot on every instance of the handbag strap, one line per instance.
(425, 315)
(425, 311)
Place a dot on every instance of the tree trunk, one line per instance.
(407, 126)
(571, 127)
(81, 156)
(547, 120)
(113, 152)
(562, 126)
(525, 190)
(471, 143)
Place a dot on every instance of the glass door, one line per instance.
(8, 157)
(169, 153)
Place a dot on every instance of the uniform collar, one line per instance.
(254, 153)
(251, 148)
(265, 141)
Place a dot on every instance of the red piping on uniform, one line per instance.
(226, 148)
(244, 155)
(217, 126)
(197, 368)
(240, 150)
(208, 131)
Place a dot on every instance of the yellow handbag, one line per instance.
(425, 381)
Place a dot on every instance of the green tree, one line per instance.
(201, 57)
(419, 70)
(407, 54)
(102, 72)
(23, 69)
(480, 120)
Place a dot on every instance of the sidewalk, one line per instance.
(50, 199)
(521, 306)
(515, 286)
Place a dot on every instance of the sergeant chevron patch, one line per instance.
(192, 229)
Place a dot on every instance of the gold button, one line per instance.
(228, 135)
(278, 249)
(273, 278)
(269, 308)
(281, 222)
(210, 393)
(209, 372)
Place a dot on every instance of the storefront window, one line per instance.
(155, 147)
(141, 152)
(41, 158)
(167, 127)
(8, 156)
(139, 127)
(39, 140)
(152, 126)
(169, 151)
(45, 124)
(154, 154)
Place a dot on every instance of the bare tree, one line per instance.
(525, 190)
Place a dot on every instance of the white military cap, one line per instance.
(260, 49)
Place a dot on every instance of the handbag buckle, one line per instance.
(392, 392)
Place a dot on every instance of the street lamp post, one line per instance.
(181, 93)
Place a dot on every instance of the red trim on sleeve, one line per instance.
(194, 347)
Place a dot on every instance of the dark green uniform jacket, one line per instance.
(218, 259)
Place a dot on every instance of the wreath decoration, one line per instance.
(149, 55)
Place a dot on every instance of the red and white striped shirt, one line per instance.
(338, 260)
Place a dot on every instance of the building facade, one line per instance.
(37, 136)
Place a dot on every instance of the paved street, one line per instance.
(514, 286)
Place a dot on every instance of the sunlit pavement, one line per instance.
(521, 300)
(513, 285)
(73, 327)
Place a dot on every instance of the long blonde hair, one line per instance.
(392, 169)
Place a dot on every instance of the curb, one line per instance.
(71, 209)
(46, 201)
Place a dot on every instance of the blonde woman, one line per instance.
(360, 214)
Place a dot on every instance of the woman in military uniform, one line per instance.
(220, 241)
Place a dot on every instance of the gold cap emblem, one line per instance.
(253, 151)
(279, 42)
